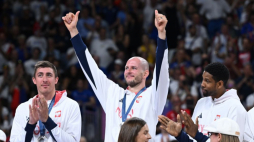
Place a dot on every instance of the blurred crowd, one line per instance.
(198, 32)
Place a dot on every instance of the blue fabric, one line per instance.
(29, 131)
(80, 48)
(50, 124)
(183, 137)
(83, 96)
(125, 114)
(214, 26)
(161, 47)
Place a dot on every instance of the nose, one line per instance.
(149, 136)
(202, 84)
(45, 78)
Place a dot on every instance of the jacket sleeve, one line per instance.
(249, 124)
(18, 132)
(72, 133)
(160, 82)
(183, 137)
(97, 79)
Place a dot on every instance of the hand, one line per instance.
(190, 127)
(173, 128)
(70, 21)
(160, 22)
(42, 108)
(33, 116)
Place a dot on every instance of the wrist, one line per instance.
(73, 32)
(31, 122)
(45, 120)
(162, 34)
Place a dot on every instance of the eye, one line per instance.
(126, 68)
(39, 75)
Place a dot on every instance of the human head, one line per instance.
(136, 71)
(45, 78)
(215, 77)
(2, 136)
(45, 64)
(223, 130)
(134, 130)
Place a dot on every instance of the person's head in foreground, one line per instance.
(2, 136)
(215, 77)
(223, 130)
(134, 130)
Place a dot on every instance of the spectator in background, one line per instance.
(214, 11)
(219, 49)
(248, 28)
(134, 130)
(122, 39)
(246, 55)
(29, 64)
(85, 22)
(83, 95)
(244, 83)
(5, 82)
(147, 50)
(37, 41)
(117, 75)
(22, 49)
(194, 44)
(177, 107)
(104, 48)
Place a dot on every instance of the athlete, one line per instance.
(50, 115)
(136, 100)
(218, 102)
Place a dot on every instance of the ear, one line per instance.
(220, 84)
(56, 80)
(34, 80)
(146, 73)
(219, 137)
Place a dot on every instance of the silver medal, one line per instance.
(42, 139)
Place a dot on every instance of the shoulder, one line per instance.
(71, 102)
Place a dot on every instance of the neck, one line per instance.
(219, 94)
(48, 96)
(136, 88)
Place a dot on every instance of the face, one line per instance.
(143, 134)
(208, 85)
(45, 80)
(215, 137)
(133, 74)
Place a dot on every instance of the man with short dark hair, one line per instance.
(50, 115)
(218, 102)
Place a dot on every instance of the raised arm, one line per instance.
(160, 82)
(97, 79)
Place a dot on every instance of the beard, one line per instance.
(136, 81)
(207, 93)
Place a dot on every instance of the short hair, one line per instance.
(130, 129)
(45, 64)
(144, 63)
(218, 71)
